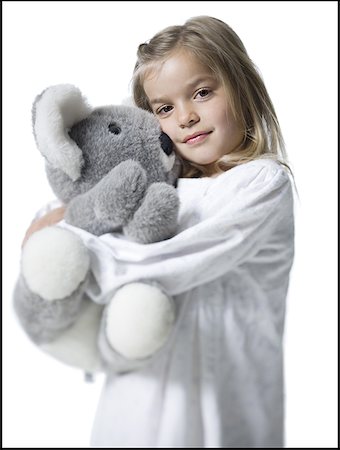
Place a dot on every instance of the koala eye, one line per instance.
(114, 128)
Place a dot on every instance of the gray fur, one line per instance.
(102, 150)
(124, 186)
(116, 173)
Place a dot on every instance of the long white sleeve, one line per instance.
(241, 208)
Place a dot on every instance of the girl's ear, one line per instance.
(54, 112)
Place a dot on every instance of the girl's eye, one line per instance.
(203, 93)
(164, 109)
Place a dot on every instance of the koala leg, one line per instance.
(136, 324)
(54, 269)
(156, 218)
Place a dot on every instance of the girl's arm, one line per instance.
(51, 218)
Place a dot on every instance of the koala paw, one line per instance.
(120, 193)
(156, 218)
(139, 320)
(54, 262)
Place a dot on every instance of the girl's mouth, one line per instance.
(197, 137)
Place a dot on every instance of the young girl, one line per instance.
(218, 382)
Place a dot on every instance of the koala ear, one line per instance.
(55, 111)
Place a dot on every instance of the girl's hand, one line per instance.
(51, 218)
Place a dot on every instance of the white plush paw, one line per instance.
(54, 262)
(139, 320)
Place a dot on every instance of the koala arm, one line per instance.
(111, 203)
(80, 213)
(157, 217)
(104, 208)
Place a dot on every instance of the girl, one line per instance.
(218, 382)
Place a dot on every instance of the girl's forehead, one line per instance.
(181, 67)
(180, 60)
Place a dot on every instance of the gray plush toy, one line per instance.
(114, 170)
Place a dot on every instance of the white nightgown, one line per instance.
(218, 382)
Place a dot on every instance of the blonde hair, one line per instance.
(218, 47)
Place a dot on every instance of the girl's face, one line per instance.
(192, 109)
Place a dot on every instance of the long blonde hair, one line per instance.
(218, 47)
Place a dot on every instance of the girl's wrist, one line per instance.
(51, 218)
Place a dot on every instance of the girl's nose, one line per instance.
(187, 117)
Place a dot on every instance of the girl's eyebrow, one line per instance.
(189, 85)
(199, 80)
(157, 100)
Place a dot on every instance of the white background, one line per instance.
(93, 45)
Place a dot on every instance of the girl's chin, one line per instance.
(203, 161)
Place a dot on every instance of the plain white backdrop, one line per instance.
(93, 45)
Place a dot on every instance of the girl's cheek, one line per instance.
(167, 130)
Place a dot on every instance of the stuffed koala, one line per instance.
(115, 171)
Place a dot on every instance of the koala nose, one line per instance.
(166, 144)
